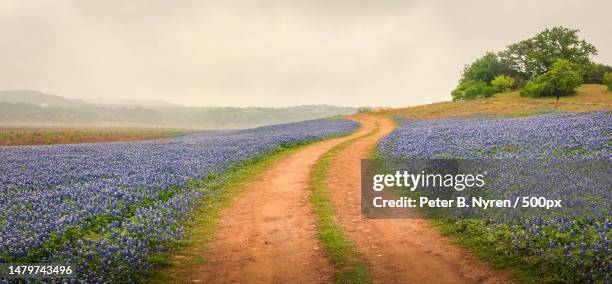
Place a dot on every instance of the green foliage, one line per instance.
(364, 109)
(472, 90)
(561, 80)
(595, 72)
(532, 60)
(534, 89)
(498, 248)
(607, 79)
(483, 69)
(536, 55)
(503, 83)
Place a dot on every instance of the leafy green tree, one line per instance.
(607, 79)
(595, 73)
(503, 83)
(561, 80)
(536, 55)
(472, 89)
(483, 69)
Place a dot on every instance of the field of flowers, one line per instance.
(112, 208)
(569, 245)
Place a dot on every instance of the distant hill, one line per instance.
(38, 98)
(126, 102)
(33, 107)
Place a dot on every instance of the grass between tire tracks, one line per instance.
(173, 266)
(351, 266)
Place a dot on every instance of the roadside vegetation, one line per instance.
(188, 252)
(350, 265)
(550, 246)
(553, 63)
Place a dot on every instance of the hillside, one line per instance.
(588, 97)
(38, 98)
(33, 107)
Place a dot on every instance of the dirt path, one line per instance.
(268, 234)
(398, 251)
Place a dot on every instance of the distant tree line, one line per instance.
(554, 62)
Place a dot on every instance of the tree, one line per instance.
(536, 55)
(561, 80)
(607, 79)
(503, 83)
(483, 69)
(595, 73)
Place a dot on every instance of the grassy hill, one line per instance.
(24, 107)
(588, 97)
(38, 98)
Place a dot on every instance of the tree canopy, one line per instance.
(561, 80)
(553, 62)
(483, 69)
(536, 55)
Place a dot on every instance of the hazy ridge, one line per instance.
(34, 107)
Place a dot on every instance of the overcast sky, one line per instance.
(270, 53)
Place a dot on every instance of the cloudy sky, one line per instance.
(270, 53)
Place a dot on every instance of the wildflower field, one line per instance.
(112, 209)
(568, 245)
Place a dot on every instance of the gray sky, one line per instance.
(270, 53)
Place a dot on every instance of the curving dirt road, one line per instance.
(398, 250)
(268, 234)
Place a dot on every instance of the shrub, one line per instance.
(503, 83)
(364, 109)
(561, 80)
(472, 90)
(607, 79)
(534, 89)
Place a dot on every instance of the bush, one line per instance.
(534, 89)
(607, 79)
(503, 83)
(472, 90)
(561, 80)
(364, 109)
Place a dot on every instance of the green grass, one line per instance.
(350, 265)
(496, 249)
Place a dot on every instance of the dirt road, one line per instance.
(398, 251)
(268, 234)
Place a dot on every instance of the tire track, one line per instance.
(268, 233)
(398, 250)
